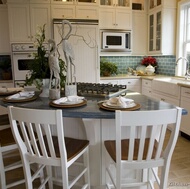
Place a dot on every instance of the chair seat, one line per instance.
(111, 148)
(4, 119)
(73, 146)
(6, 137)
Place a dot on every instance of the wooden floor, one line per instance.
(179, 176)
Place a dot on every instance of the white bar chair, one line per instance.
(8, 149)
(144, 150)
(40, 137)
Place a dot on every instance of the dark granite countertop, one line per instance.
(91, 109)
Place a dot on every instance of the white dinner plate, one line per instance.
(108, 105)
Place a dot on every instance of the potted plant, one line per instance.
(108, 68)
(39, 70)
(5, 66)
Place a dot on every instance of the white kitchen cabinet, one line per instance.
(166, 3)
(161, 30)
(185, 103)
(25, 18)
(4, 31)
(147, 87)
(76, 2)
(139, 33)
(63, 11)
(116, 3)
(166, 91)
(132, 84)
(115, 18)
(68, 11)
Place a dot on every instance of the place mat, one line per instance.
(9, 93)
(6, 99)
(124, 109)
(66, 105)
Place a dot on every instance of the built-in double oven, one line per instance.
(22, 57)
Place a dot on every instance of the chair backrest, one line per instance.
(146, 132)
(30, 126)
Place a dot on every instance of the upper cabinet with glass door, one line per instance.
(79, 2)
(162, 27)
(164, 3)
(118, 3)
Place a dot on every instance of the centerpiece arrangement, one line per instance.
(39, 69)
(150, 63)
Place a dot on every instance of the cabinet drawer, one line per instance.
(146, 83)
(185, 92)
(129, 82)
(86, 12)
(62, 11)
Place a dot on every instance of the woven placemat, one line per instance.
(123, 109)
(7, 99)
(84, 102)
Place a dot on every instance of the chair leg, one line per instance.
(86, 164)
(49, 172)
(2, 172)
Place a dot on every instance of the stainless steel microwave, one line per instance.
(116, 41)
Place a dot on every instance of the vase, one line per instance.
(45, 88)
(70, 90)
(54, 94)
(150, 69)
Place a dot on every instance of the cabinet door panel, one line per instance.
(123, 19)
(63, 11)
(185, 103)
(19, 22)
(4, 31)
(107, 18)
(40, 15)
(86, 12)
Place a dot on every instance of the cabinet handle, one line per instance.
(162, 99)
(63, 16)
(87, 16)
(129, 82)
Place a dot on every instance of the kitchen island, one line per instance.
(95, 124)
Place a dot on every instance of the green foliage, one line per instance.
(107, 68)
(39, 69)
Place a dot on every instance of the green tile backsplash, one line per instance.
(166, 64)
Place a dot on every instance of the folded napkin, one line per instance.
(120, 101)
(68, 99)
(22, 94)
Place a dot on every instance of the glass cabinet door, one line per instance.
(120, 3)
(151, 32)
(74, 1)
(158, 31)
(154, 3)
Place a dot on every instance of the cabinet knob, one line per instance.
(63, 16)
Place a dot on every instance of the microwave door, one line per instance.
(114, 41)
